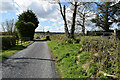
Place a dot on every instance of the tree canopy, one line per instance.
(26, 25)
(105, 15)
(29, 16)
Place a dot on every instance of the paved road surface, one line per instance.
(33, 62)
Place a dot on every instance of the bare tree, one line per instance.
(9, 27)
(3, 27)
(63, 13)
(73, 20)
(84, 13)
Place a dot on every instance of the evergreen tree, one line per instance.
(104, 18)
(116, 11)
(28, 16)
(26, 25)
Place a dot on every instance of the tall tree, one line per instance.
(63, 13)
(27, 23)
(116, 11)
(73, 20)
(29, 16)
(104, 15)
(84, 13)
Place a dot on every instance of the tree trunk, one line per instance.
(63, 13)
(83, 26)
(65, 24)
(73, 22)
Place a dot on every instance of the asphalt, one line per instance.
(32, 62)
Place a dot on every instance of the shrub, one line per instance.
(25, 29)
(104, 52)
(47, 37)
(8, 42)
(72, 41)
(36, 36)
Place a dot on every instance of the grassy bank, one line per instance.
(66, 56)
(91, 57)
(6, 53)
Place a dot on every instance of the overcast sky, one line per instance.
(48, 14)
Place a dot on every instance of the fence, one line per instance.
(23, 39)
(114, 32)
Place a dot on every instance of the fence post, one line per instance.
(21, 41)
(115, 32)
(17, 41)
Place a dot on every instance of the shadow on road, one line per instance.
(17, 64)
(31, 58)
(39, 40)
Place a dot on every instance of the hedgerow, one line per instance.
(8, 42)
(25, 29)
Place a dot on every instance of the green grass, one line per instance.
(72, 62)
(6, 53)
(66, 59)
(6, 36)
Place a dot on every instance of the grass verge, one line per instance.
(66, 59)
(92, 57)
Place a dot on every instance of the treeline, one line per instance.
(103, 14)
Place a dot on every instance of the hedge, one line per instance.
(105, 54)
(25, 29)
(8, 42)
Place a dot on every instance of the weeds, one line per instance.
(85, 57)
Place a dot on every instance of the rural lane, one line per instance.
(32, 62)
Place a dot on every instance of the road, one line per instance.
(32, 62)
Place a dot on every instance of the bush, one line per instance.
(36, 36)
(25, 29)
(8, 42)
(72, 41)
(47, 37)
(105, 53)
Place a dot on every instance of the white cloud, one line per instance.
(5, 1)
(3, 11)
(43, 19)
(62, 28)
(6, 6)
(54, 24)
(43, 9)
(53, 20)
(1, 28)
(61, 22)
(50, 28)
(39, 28)
(47, 28)
(44, 28)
